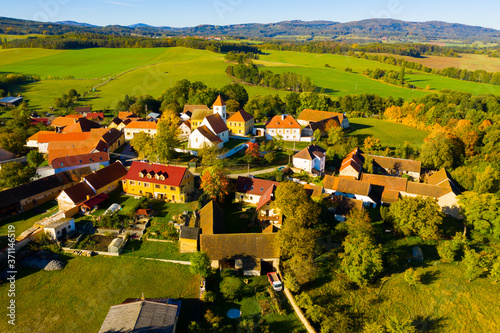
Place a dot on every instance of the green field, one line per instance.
(78, 298)
(151, 71)
(390, 134)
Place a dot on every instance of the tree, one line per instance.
(481, 211)
(397, 325)
(34, 158)
(447, 250)
(417, 215)
(231, 287)
(214, 183)
(13, 142)
(317, 135)
(167, 138)
(14, 173)
(362, 259)
(371, 143)
(200, 264)
(270, 157)
(442, 150)
(359, 223)
(143, 144)
(278, 141)
(209, 155)
(411, 276)
(335, 135)
(472, 261)
(495, 270)
(252, 152)
(368, 164)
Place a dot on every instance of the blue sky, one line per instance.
(182, 13)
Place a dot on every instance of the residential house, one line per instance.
(153, 116)
(185, 130)
(95, 116)
(352, 165)
(127, 115)
(216, 125)
(104, 180)
(198, 116)
(395, 166)
(267, 214)
(322, 126)
(60, 123)
(119, 124)
(241, 123)
(308, 116)
(30, 195)
(254, 249)
(81, 125)
(60, 229)
(134, 127)
(93, 160)
(311, 159)
(387, 188)
(83, 110)
(162, 182)
(202, 136)
(344, 206)
(440, 187)
(188, 110)
(351, 188)
(284, 125)
(250, 190)
(143, 315)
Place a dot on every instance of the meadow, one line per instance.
(78, 298)
(390, 134)
(151, 71)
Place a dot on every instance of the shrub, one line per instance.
(411, 276)
(209, 297)
(447, 250)
(231, 287)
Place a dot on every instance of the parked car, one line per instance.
(275, 281)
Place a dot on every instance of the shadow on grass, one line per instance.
(27, 271)
(430, 324)
(429, 277)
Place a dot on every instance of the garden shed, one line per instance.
(116, 245)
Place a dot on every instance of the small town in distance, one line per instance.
(303, 177)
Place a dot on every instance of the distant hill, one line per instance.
(371, 28)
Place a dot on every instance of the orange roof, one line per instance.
(75, 116)
(219, 102)
(316, 115)
(56, 137)
(388, 182)
(63, 121)
(283, 121)
(125, 114)
(240, 116)
(37, 134)
(142, 125)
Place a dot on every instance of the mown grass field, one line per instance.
(465, 61)
(390, 134)
(77, 298)
(151, 71)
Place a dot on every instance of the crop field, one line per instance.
(390, 134)
(466, 61)
(78, 298)
(151, 71)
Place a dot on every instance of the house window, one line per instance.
(61, 163)
(139, 183)
(100, 158)
(91, 160)
(146, 184)
(79, 161)
(261, 189)
(157, 186)
(165, 187)
(132, 182)
(172, 188)
(251, 189)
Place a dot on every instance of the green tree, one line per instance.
(398, 325)
(143, 144)
(209, 155)
(13, 142)
(442, 150)
(270, 157)
(368, 164)
(495, 269)
(359, 223)
(167, 138)
(200, 264)
(417, 216)
(482, 212)
(278, 142)
(472, 261)
(231, 287)
(411, 276)
(447, 250)
(14, 174)
(362, 259)
(317, 135)
(335, 135)
(34, 158)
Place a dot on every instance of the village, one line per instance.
(108, 196)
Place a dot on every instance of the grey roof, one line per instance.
(141, 316)
(153, 115)
(10, 99)
(189, 232)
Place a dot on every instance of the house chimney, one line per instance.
(88, 197)
(283, 116)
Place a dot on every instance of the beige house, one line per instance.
(351, 165)
(134, 127)
(250, 190)
(60, 229)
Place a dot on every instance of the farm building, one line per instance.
(60, 229)
(11, 101)
(308, 116)
(188, 239)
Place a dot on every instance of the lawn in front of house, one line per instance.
(153, 249)
(77, 298)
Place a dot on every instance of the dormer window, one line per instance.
(261, 189)
(141, 174)
(251, 189)
(149, 176)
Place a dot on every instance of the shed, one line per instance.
(60, 229)
(116, 245)
(11, 101)
(188, 239)
(417, 254)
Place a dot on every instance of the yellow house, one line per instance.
(163, 182)
(198, 116)
(240, 123)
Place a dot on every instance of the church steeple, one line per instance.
(219, 107)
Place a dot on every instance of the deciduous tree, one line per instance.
(472, 261)
(214, 183)
(200, 264)
(482, 212)
(167, 138)
(362, 259)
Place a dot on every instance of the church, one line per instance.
(212, 129)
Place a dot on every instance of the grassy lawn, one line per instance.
(157, 250)
(26, 220)
(250, 308)
(237, 220)
(234, 142)
(390, 134)
(79, 297)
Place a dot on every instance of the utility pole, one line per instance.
(248, 169)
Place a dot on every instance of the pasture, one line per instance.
(390, 134)
(78, 298)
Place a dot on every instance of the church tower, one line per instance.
(219, 107)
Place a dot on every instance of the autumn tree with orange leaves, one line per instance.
(252, 152)
(215, 183)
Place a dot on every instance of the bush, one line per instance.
(447, 250)
(209, 297)
(231, 287)
(411, 276)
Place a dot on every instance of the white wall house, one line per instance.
(284, 125)
(59, 229)
(202, 136)
(311, 159)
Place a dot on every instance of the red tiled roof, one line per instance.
(396, 163)
(95, 115)
(83, 109)
(253, 186)
(283, 121)
(63, 121)
(331, 182)
(266, 197)
(353, 186)
(69, 161)
(95, 200)
(191, 108)
(173, 174)
(388, 182)
(427, 190)
(217, 124)
(107, 175)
